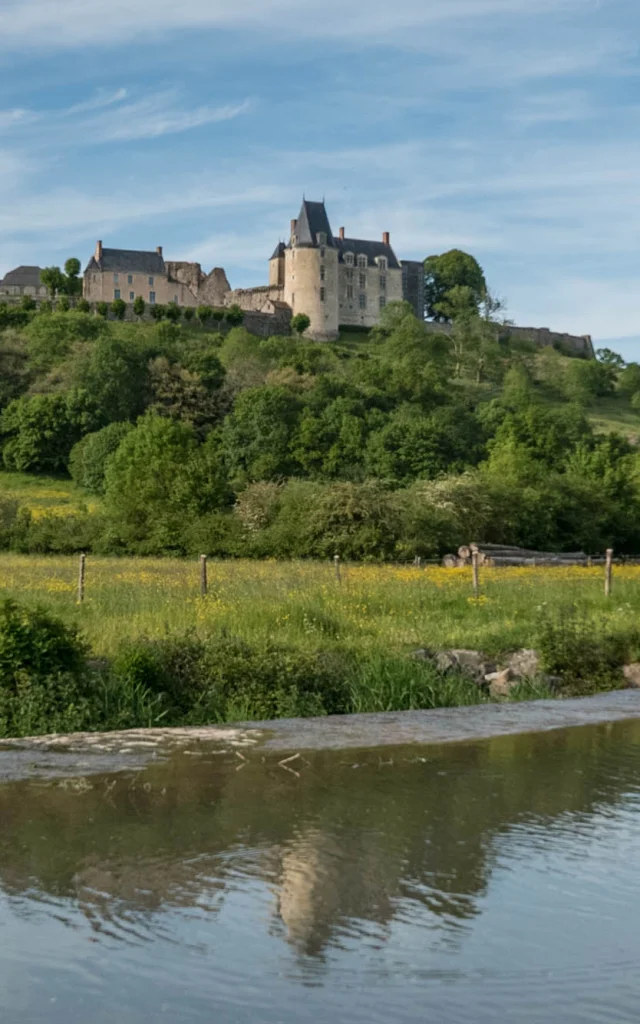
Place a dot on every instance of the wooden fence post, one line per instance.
(336, 562)
(203, 576)
(418, 562)
(608, 572)
(81, 575)
(475, 561)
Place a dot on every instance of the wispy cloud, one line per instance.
(37, 23)
(102, 99)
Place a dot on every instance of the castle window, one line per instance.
(362, 262)
(152, 298)
(349, 275)
(130, 279)
(151, 282)
(116, 293)
(362, 300)
(322, 273)
(383, 301)
(363, 280)
(322, 295)
(349, 259)
(349, 291)
(383, 282)
(383, 262)
(322, 253)
(175, 299)
(322, 238)
(132, 296)
(116, 278)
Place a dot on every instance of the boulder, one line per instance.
(501, 683)
(471, 663)
(632, 675)
(525, 664)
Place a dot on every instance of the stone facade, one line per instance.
(127, 274)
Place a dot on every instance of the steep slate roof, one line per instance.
(313, 219)
(278, 251)
(360, 247)
(128, 261)
(23, 277)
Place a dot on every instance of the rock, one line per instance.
(471, 663)
(501, 683)
(422, 655)
(525, 664)
(632, 675)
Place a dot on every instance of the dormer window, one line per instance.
(362, 262)
(322, 238)
(383, 263)
(349, 259)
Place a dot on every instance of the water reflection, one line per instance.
(352, 844)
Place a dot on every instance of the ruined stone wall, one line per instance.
(253, 298)
(213, 288)
(541, 336)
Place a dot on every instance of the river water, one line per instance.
(474, 882)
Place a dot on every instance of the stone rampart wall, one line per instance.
(580, 344)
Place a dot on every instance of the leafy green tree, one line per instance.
(181, 394)
(173, 312)
(300, 323)
(39, 431)
(73, 282)
(50, 338)
(188, 313)
(234, 315)
(217, 315)
(610, 358)
(83, 306)
(139, 306)
(119, 308)
(114, 374)
(453, 269)
(158, 312)
(88, 458)
(157, 482)
(28, 303)
(54, 280)
(258, 433)
(102, 309)
(629, 379)
(203, 314)
(63, 305)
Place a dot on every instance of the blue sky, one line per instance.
(505, 127)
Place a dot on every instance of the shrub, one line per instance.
(119, 308)
(300, 323)
(234, 315)
(588, 658)
(41, 430)
(63, 305)
(189, 313)
(204, 314)
(173, 312)
(82, 306)
(217, 315)
(102, 309)
(88, 458)
(158, 312)
(51, 337)
(43, 673)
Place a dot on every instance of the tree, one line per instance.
(88, 458)
(119, 308)
(28, 303)
(173, 312)
(450, 270)
(114, 373)
(63, 305)
(610, 358)
(83, 306)
(73, 283)
(258, 433)
(234, 315)
(139, 306)
(300, 323)
(203, 314)
(54, 280)
(158, 312)
(629, 379)
(188, 313)
(39, 431)
(102, 309)
(50, 338)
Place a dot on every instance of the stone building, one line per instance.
(128, 273)
(336, 281)
(23, 281)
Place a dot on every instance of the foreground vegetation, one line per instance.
(276, 639)
(180, 439)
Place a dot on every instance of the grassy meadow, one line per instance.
(385, 608)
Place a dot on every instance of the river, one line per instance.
(482, 881)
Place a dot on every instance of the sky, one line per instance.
(508, 128)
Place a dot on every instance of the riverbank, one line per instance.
(282, 743)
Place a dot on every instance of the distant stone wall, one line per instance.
(254, 298)
(541, 336)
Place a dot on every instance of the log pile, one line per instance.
(510, 555)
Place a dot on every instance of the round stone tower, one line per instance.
(311, 272)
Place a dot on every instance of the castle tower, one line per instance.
(276, 267)
(311, 271)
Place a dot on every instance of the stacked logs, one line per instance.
(510, 555)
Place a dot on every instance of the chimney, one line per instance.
(341, 232)
(159, 250)
(385, 238)
(98, 252)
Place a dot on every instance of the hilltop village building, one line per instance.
(23, 281)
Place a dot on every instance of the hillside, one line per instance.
(179, 438)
